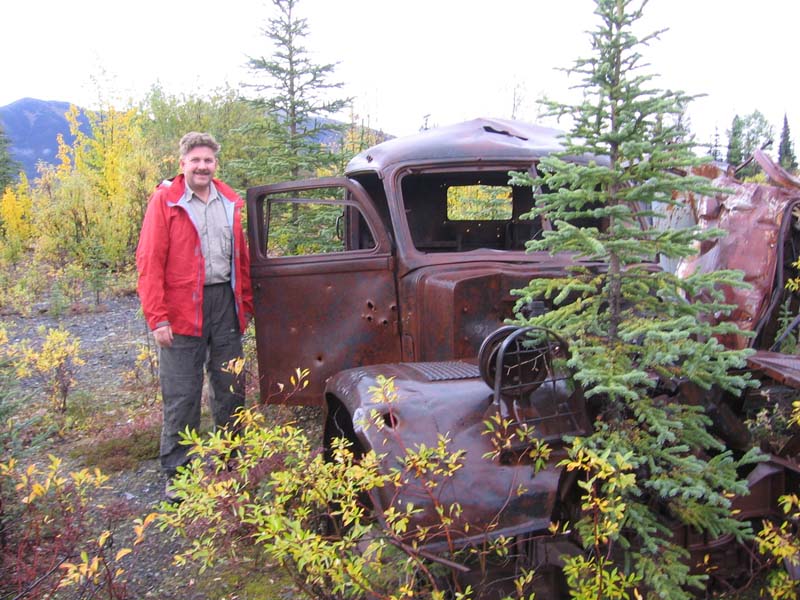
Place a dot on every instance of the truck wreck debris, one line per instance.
(403, 269)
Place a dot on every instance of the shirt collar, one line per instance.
(213, 194)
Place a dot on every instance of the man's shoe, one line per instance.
(171, 494)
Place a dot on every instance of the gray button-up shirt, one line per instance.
(215, 235)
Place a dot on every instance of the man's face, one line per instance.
(199, 166)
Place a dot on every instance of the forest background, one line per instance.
(279, 124)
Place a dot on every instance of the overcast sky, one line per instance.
(404, 62)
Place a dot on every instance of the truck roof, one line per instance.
(478, 140)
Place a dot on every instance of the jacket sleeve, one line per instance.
(151, 259)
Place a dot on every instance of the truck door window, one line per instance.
(302, 227)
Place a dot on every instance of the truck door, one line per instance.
(323, 284)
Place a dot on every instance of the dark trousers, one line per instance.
(182, 368)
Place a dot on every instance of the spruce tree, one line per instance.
(9, 168)
(634, 339)
(297, 98)
(786, 155)
(735, 154)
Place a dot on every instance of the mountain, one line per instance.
(32, 126)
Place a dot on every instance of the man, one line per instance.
(194, 285)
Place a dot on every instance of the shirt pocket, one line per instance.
(226, 241)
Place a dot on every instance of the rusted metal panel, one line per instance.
(756, 219)
(320, 312)
(479, 141)
(783, 368)
(351, 320)
(752, 216)
(466, 302)
(495, 496)
(767, 482)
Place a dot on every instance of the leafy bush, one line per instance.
(144, 374)
(781, 542)
(266, 491)
(55, 536)
(54, 363)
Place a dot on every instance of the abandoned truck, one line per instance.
(404, 267)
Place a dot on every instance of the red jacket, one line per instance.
(170, 261)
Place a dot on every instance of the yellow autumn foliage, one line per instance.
(54, 363)
(15, 216)
(89, 207)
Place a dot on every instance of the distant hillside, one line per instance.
(32, 126)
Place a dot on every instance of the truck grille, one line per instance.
(443, 371)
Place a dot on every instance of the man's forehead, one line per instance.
(200, 152)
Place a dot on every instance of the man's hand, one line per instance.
(163, 336)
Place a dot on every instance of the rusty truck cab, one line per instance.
(409, 257)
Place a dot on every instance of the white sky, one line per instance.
(402, 60)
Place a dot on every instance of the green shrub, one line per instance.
(267, 490)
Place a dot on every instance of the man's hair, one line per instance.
(193, 139)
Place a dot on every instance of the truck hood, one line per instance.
(465, 302)
(438, 401)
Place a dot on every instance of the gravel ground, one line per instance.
(110, 334)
